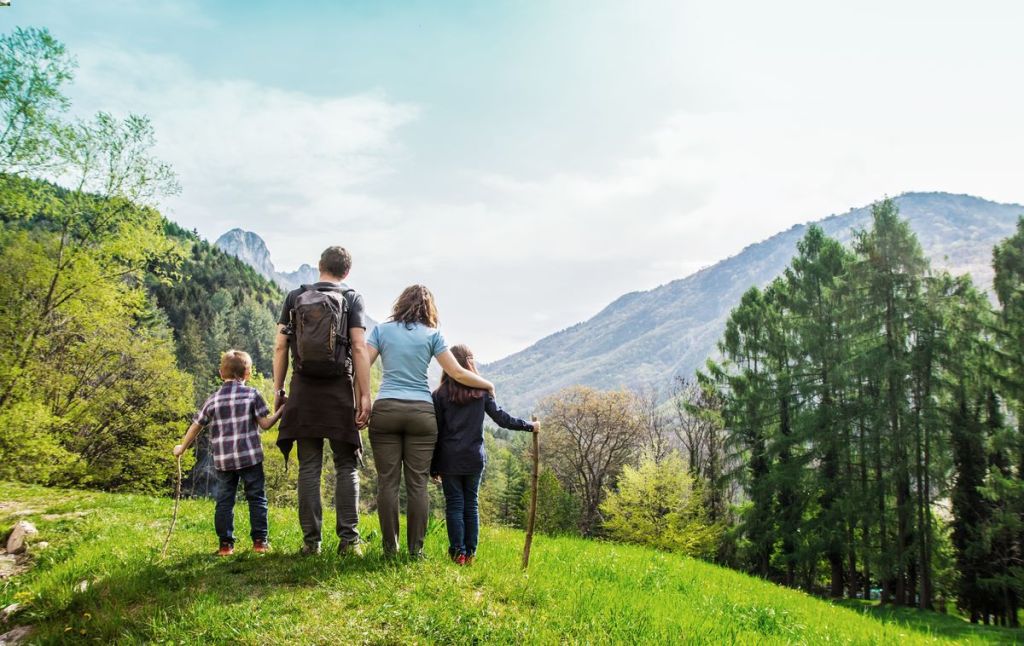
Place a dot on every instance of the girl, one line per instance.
(459, 455)
(402, 426)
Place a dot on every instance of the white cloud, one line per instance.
(247, 154)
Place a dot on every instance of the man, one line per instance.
(322, 401)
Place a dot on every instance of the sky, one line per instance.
(532, 161)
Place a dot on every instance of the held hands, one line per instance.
(280, 399)
(363, 411)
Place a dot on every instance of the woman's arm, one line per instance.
(465, 377)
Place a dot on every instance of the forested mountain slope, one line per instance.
(647, 337)
(216, 302)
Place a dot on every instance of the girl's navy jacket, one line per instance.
(460, 432)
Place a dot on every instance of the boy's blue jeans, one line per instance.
(462, 512)
(227, 487)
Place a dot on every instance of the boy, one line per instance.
(233, 414)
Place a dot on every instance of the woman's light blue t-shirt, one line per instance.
(405, 352)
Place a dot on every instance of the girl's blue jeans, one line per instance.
(462, 512)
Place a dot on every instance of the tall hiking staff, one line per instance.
(174, 516)
(532, 517)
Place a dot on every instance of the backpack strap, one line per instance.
(344, 333)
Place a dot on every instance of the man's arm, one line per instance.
(280, 366)
(361, 364)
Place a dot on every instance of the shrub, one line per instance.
(659, 504)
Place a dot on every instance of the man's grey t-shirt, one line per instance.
(355, 304)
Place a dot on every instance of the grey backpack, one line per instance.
(319, 331)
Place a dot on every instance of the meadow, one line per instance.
(100, 581)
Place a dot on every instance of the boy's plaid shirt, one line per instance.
(230, 415)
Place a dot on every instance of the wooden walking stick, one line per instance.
(533, 498)
(174, 516)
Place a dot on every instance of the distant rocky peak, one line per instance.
(304, 275)
(250, 249)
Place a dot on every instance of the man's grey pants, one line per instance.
(402, 435)
(346, 490)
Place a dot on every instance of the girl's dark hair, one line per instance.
(453, 390)
(415, 305)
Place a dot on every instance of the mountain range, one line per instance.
(646, 338)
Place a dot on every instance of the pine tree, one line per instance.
(743, 379)
(815, 295)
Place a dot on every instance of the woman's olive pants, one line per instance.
(402, 436)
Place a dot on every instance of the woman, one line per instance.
(403, 428)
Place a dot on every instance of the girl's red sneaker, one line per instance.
(460, 559)
(226, 549)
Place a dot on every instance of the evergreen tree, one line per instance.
(814, 284)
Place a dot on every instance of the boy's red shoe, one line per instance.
(460, 559)
(260, 546)
(226, 549)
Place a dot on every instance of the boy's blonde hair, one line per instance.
(235, 364)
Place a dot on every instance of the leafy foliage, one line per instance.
(590, 435)
(34, 66)
(659, 504)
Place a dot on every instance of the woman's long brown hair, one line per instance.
(453, 390)
(415, 305)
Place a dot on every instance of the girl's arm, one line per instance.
(504, 420)
(190, 436)
(461, 375)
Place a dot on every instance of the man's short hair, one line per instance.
(336, 261)
(234, 364)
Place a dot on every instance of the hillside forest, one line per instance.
(860, 434)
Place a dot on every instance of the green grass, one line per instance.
(576, 591)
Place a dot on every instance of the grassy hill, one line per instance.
(99, 581)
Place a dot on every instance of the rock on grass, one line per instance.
(16, 635)
(17, 541)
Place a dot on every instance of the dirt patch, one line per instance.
(11, 565)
